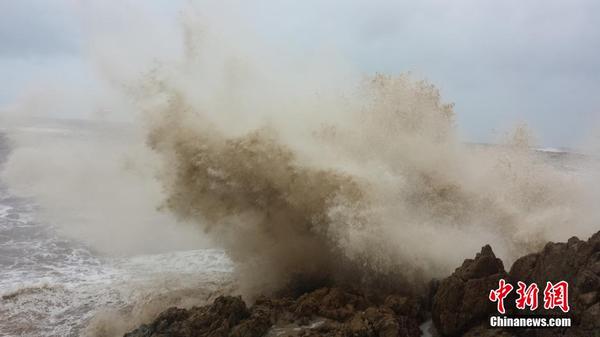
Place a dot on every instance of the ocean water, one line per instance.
(53, 286)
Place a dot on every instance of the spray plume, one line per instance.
(300, 168)
(350, 185)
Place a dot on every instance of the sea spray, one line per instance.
(296, 166)
(358, 186)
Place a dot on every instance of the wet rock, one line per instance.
(461, 300)
(459, 303)
(259, 322)
(332, 312)
(333, 303)
(352, 313)
(588, 298)
(404, 305)
(381, 322)
(574, 261)
(484, 331)
(590, 319)
(215, 320)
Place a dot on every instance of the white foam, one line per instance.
(63, 301)
(51, 286)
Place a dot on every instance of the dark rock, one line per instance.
(332, 312)
(590, 319)
(484, 331)
(588, 298)
(257, 324)
(215, 320)
(333, 303)
(461, 300)
(576, 261)
(360, 315)
(381, 322)
(459, 303)
(404, 305)
(432, 288)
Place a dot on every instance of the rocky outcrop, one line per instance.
(459, 304)
(324, 312)
(216, 320)
(461, 300)
(578, 263)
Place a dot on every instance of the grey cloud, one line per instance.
(37, 28)
(500, 61)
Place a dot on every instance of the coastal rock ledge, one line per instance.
(458, 304)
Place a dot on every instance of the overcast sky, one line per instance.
(501, 62)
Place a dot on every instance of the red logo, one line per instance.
(528, 296)
(500, 294)
(555, 295)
